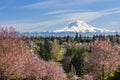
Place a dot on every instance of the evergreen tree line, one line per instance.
(77, 38)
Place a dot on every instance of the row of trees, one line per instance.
(78, 38)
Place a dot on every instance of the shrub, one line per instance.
(115, 75)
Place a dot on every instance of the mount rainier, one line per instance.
(80, 26)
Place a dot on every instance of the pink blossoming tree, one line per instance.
(18, 62)
(105, 57)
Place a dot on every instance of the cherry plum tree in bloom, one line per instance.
(105, 57)
(18, 62)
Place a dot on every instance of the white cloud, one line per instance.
(89, 16)
(60, 11)
(35, 26)
(85, 16)
(62, 3)
(111, 11)
(44, 4)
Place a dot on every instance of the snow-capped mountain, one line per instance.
(80, 26)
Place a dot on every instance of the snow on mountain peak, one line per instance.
(80, 26)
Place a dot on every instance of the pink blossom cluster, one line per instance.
(17, 61)
(105, 57)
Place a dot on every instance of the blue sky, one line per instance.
(49, 15)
